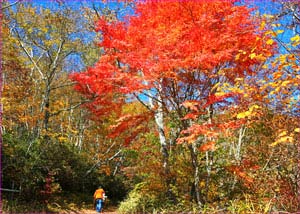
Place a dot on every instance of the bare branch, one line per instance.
(10, 5)
(58, 53)
(101, 161)
(70, 108)
(62, 86)
(96, 11)
(142, 102)
(28, 55)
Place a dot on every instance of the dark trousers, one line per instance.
(99, 204)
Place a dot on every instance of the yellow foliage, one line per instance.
(242, 51)
(247, 113)
(262, 25)
(268, 16)
(62, 139)
(273, 84)
(285, 83)
(44, 29)
(253, 107)
(283, 137)
(270, 33)
(295, 38)
(202, 184)
(276, 25)
(282, 58)
(238, 79)
(253, 55)
(220, 93)
(243, 114)
(270, 42)
(215, 86)
(283, 133)
(279, 31)
(260, 57)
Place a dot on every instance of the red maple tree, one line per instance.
(192, 44)
(175, 53)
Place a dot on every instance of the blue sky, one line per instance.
(263, 7)
(76, 64)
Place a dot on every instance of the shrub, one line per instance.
(139, 201)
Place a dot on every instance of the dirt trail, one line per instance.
(88, 211)
(107, 210)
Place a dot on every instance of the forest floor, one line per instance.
(88, 211)
(94, 212)
(58, 207)
(108, 210)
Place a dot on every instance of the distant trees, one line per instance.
(45, 44)
(42, 120)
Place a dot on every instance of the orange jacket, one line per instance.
(99, 193)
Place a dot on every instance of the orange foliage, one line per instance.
(241, 174)
(209, 146)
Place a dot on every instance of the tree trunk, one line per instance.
(45, 108)
(209, 163)
(209, 155)
(159, 120)
(162, 138)
(195, 186)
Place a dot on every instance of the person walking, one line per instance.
(99, 198)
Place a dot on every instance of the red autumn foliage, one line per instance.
(172, 42)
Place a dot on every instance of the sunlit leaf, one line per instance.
(270, 41)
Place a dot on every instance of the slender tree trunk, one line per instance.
(237, 152)
(209, 155)
(159, 120)
(46, 109)
(209, 163)
(239, 145)
(162, 138)
(46, 106)
(81, 128)
(195, 186)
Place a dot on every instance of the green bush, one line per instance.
(139, 201)
(41, 170)
(22, 166)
